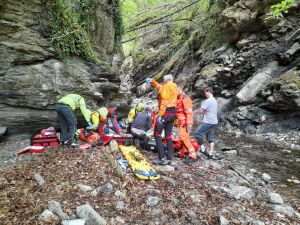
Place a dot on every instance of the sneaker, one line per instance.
(72, 144)
(206, 154)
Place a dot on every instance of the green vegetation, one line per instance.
(278, 9)
(293, 79)
(72, 22)
(70, 28)
(180, 17)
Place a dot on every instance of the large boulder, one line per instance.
(283, 94)
(244, 16)
(33, 79)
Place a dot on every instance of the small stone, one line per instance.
(120, 194)
(156, 212)
(3, 131)
(152, 201)
(238, 192)
(175, 201)
(74, 222)
(285, 210)
(120, 219)
(113, 144)
(120, 205)
(165, 169)
(223, 220)
(286, 151)
(3, 182)
(289, 180)
(253, 171)
(47, 216)
(85, 188)
(266, 177)
(191, 214)
(231, 152)
(91, 216)
(153, 192)
(170, 180)
(108, 188)
(275, 198)
(296, 181)
(55, 207)
(258, 222)
(39, 179)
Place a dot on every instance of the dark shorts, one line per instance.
(207, 130)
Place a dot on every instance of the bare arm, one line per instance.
(202, 111)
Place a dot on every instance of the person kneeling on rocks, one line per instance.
(140, 125)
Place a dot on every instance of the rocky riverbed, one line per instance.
(249, 185)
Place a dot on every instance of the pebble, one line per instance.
(266, 177)
(223, 220)
(85, 188)
(170, 180)
(275, 198)
(296, 181)
(231, 152)
(47, 216)
(74, 222)
(55, 207)
(166, 169)
(120, 205)
(120, 194)
(39, 179)
(152, 201)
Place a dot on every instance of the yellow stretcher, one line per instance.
(141, 168)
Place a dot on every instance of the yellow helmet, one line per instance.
(140, 107)
(103, 111)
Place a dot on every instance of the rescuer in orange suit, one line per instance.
(165, 117)
(184, 113)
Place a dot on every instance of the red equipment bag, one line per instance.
(32, 149)
(181, 148)
(122, 139)
(48, 132)
(89, 136)
(45, 141)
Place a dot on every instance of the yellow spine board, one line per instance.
(137, 162)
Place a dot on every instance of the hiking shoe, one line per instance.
(161, 162)
(171, 163)
(189, 161)
(206, 154)
(72, 144)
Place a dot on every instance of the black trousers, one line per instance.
(167, 126)
(67, 121)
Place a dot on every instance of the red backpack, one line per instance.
(46, 138)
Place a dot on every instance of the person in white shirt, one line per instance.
(209, 108)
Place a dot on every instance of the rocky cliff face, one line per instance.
(32, 76)
(255, 72)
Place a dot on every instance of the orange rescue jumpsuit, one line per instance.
(184, 113)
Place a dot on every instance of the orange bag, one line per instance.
(89, 136)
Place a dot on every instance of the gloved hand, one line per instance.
(188, 128)
(148, 80)
(90, 124)
(159, 120)
(89, 127)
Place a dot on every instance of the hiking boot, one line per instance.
(161, 162)
(206, 154)
(189, 161)
(171, 163)
(72, 144)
